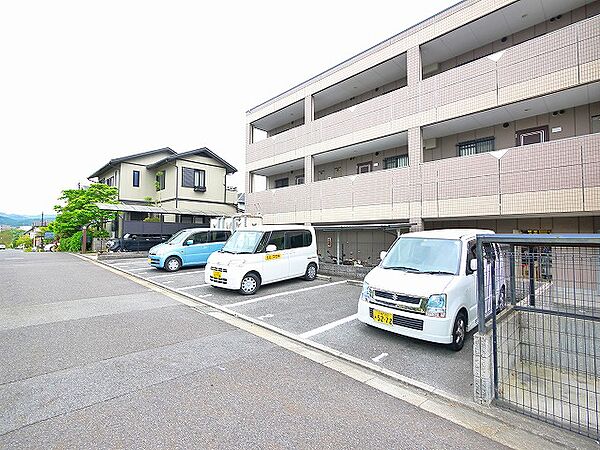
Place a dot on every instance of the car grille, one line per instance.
(219, 269)
(218, 280)
(399, 297)
(403, 321)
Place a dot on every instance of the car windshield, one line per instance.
(177, 237)
(422, 255)
(243, 242)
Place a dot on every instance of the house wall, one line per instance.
(147, 182)
(215, 180)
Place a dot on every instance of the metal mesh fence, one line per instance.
(546, 341)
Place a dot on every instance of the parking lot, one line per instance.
(324, 311)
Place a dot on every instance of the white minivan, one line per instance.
(261, 255)
(426, 287)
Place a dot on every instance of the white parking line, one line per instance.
(138, 269)
(328, 326)
(380, 357)
(193, 287)
(176, 273)
(279, 294)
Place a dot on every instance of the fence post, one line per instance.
(513, 283)
(531, 277)
(480, 287)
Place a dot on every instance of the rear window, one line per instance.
(297, 239)
(219, 236)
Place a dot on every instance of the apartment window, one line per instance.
(300, 179)
(136, 178)
(193, 178)
(394, 162)
(364, 167)
(477, 146)
(160, 180)
(282, 182)
(110, 181)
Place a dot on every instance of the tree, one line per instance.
(80, 210)
(8, 237)
(24, 240)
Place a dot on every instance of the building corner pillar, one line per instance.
(414, 68)
(309, 169)
(309, 109)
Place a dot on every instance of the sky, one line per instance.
(83, 82)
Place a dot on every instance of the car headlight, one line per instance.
(367, 292)
(436, 306)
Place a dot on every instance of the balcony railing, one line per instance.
(558, 60)
(561, 176)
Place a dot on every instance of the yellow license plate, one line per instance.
(383, 317)
(217, 275)
(272, 256)
(149, 261)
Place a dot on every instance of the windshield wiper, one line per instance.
(438, 272)
(408, 269)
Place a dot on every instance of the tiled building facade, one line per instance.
(487, 115)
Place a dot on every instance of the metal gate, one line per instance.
(546, 337)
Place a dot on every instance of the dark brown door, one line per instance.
(532, 135)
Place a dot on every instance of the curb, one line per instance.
(534, 427)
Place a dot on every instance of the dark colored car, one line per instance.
(135, 242)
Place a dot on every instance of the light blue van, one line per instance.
(189, 247)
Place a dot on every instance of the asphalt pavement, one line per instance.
(94, 360)
(324, 311)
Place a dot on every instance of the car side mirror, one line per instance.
(271, 248)
(189, 242)
(473, 265)
(382, 255)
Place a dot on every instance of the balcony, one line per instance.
(556, 61)
(556, 177)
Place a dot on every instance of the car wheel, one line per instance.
(172, 264)
(459, 331)
(250, 284)
(501, 300)
(311, 272)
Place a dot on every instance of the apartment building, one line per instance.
(175, 188)
(485, 115)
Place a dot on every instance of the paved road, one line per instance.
(93, 360)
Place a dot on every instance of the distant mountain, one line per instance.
(17, 220)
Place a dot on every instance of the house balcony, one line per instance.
(556, 177)
(556, 61)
